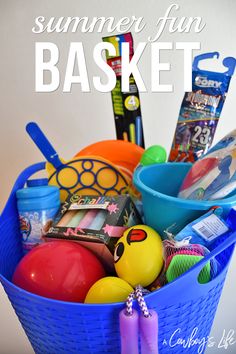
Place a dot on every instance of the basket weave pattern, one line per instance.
(55, 327)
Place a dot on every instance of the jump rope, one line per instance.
(133, 323)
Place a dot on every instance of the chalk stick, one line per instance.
(67, 217)
(88, 218)
(74, 222)
(98, 221)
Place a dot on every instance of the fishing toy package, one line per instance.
(96, 222)
(126, 105)
(200, 110)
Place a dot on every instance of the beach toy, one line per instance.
(154, 154)
(107, 290)
(179, 257)
(175, 248)
(181, 263)
(86, 175)
(59, 270)
(123, 154)
(159, 185)
(37, 206)
(213, 176)
(199, 170)
(138, 255)
(171, 249)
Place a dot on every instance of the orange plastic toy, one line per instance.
(123, 154)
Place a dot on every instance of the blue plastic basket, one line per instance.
(159, 185)
(62, 328)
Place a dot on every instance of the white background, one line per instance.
(76, 119)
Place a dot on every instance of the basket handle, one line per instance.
(22, 178)
(196, 269)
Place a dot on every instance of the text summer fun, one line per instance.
(76, 61)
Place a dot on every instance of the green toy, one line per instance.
(154, 154)
(181, 263)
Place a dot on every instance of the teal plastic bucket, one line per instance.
(159, 186)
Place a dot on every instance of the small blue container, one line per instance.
(159, 185)
(37, 205)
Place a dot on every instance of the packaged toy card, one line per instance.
(214, 175)
(206, 229)
(96, 222)
(126, 105)
(200, 110)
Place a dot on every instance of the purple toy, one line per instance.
(131, 324)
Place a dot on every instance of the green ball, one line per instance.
(154, 154)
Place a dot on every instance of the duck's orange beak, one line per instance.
(136, 235)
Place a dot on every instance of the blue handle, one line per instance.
(203, 57)
(228, 62)
(20, 182)
(43, 144)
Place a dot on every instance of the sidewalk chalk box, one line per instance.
(96, 222)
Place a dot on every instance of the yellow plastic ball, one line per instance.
(108, 290)
(138, 255)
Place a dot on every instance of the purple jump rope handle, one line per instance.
(129, 327)
(149, 333)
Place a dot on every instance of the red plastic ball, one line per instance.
(60, 270)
